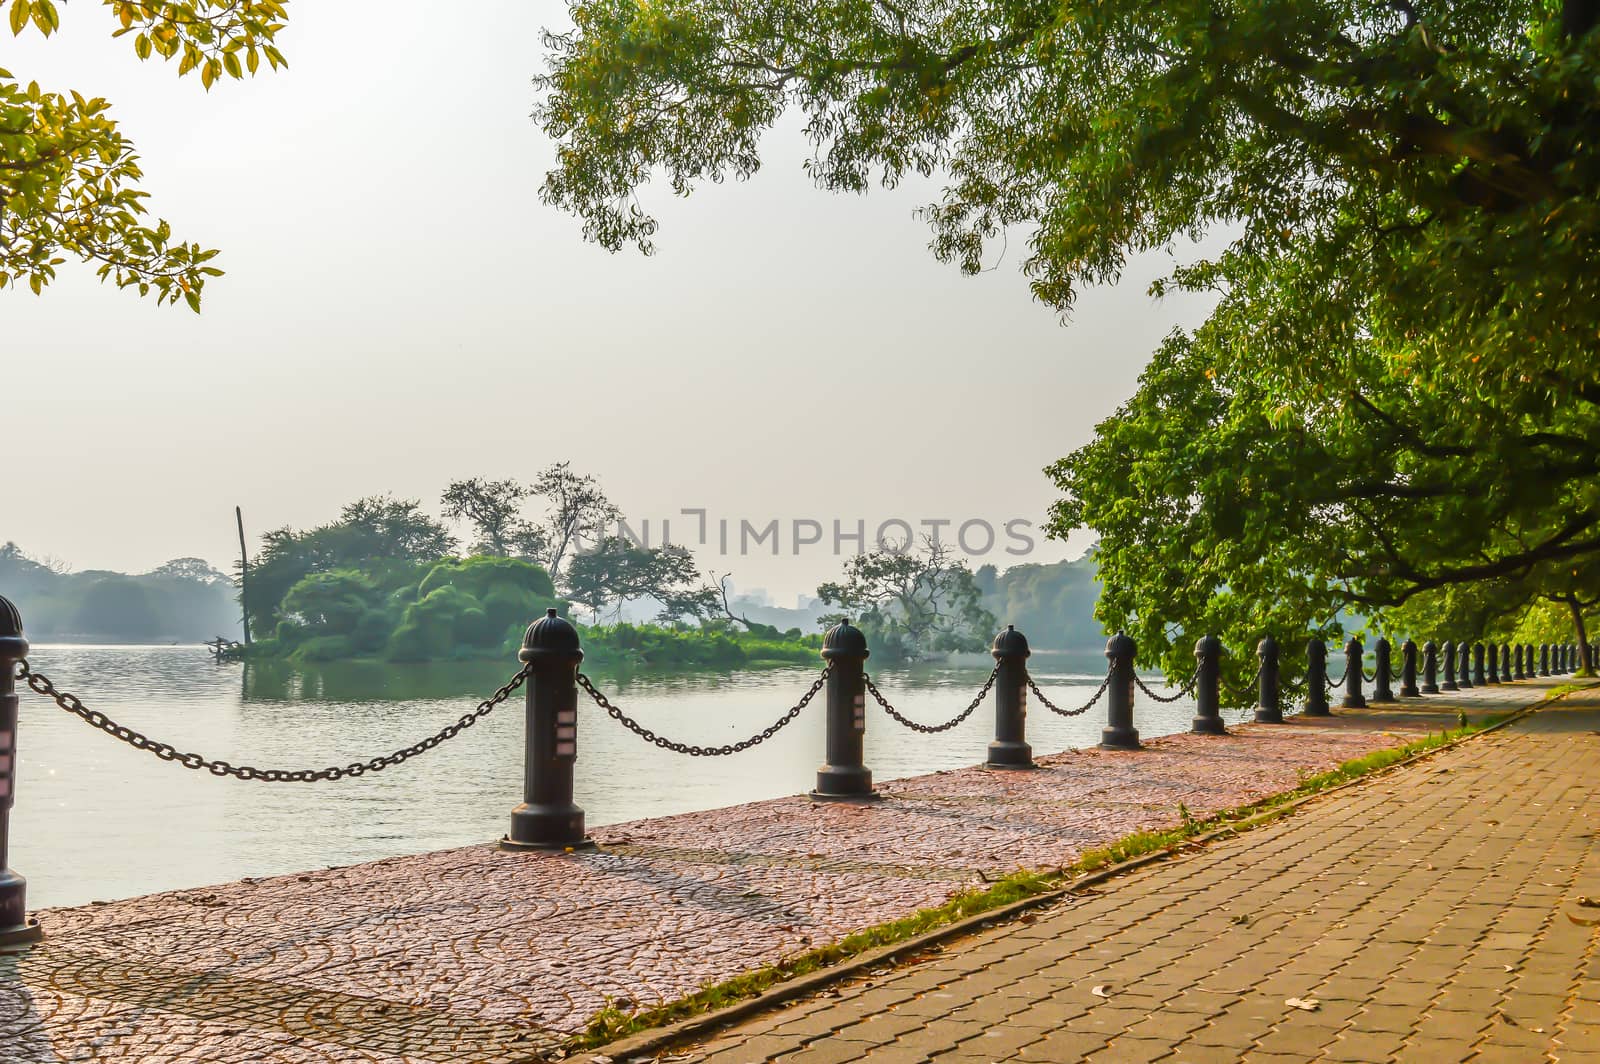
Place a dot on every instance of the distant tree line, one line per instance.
(183, 600)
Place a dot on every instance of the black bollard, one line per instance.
(1519, 674)
(1268, 708)
(843, 777)
(1493, 654)
(1505, 662)
(547, 819)
(1544, 659)
(1464, 677)
(1010, 748)
(1479, 677)
(15, 927)
(1316, 678)
(1381, 689)
(1430, 668)
(1408, 669)
(1450, 667)
(1207, 684)
(1119, 732)
(1353, 699)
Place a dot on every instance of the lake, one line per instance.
(98, 820)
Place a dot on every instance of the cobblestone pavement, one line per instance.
(1447, 912)
(479, 955)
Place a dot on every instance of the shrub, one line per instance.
(325, 648)
(481, 574)
(331, 603)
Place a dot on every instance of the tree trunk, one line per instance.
(244, 576)
(1585, 665)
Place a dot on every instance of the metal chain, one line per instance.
(1370, 677)
(932, 729)
(1052, 707)
(1255, 682)
(704, 751)
(166, 752)
(1335, 684)
(1188, 687)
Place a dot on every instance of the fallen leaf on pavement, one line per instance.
(1101, 991)
(1308, 1004)
(1589, 903)
(1583, 923)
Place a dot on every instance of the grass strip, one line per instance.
(613, 1022)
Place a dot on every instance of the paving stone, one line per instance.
(517, 950)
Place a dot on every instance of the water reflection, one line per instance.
(96, 819)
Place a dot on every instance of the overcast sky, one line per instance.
(400, 310)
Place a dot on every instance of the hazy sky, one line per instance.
(400, 310)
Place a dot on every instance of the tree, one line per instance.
(370, 535)
(120, 609)
(578, 510)
(69, 179)
(1399, 387)
(22, 574)
(1052, 604)
(331, 603)
(913, 603)
(494, 508)
(197, 570)
(616, 571)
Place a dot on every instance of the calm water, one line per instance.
(98, 820)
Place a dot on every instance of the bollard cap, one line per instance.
(1316, 648)
(844, 640)
(1409, 644)
(1010, 644)
(1430, 647)
(1382, 643)
(550, 637)
(1207, 646)
(1268, 647)
(1121, 645)
(13, 644)
(1352, 646)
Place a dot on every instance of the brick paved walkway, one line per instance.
(478, 955)
(1432, 914)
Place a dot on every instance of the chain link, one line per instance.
(932, 729)
(1252, 690)
(1188, 687)
(41, 684)
(1052, 707)
(704, 751)
(1335, 684)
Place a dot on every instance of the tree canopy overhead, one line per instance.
(1398, 389)
(69, 179)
